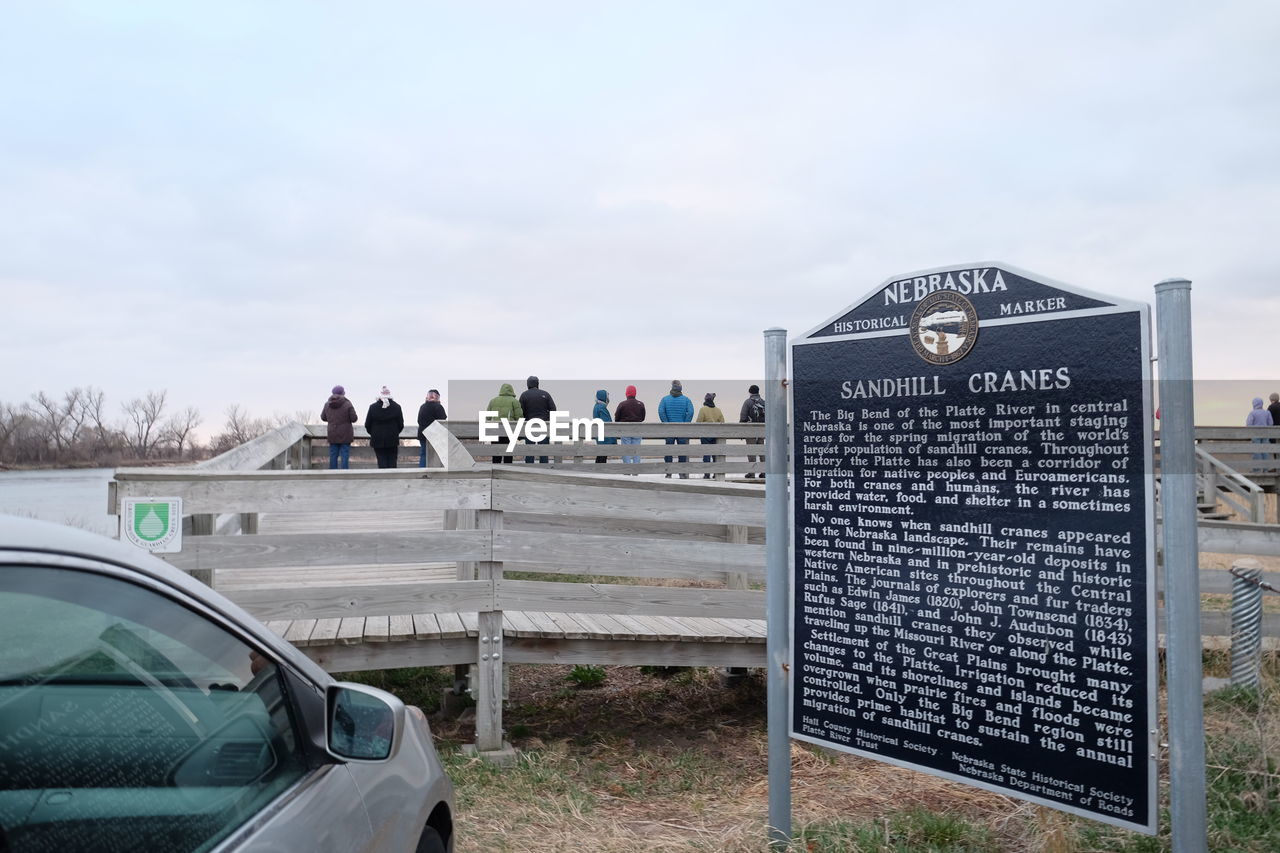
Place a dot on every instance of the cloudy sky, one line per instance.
(249, 202)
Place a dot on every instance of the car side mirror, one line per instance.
(362, 724)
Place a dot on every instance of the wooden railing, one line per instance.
(652, 550)
(730, 455)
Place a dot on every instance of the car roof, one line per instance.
(28, 534)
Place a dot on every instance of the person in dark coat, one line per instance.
(428, 413)
(339, 414)
(753, 413)
(385, 422)
(630, 411)
(537, 405)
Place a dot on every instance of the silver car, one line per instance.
(140, 710)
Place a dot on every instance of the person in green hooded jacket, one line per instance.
(508, 409)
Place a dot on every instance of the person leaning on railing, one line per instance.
(630, 411)
(676, 408)
(709, 414)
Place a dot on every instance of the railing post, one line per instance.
(1188, 809)
(202, 524)
(1246, 622)
(487, 688)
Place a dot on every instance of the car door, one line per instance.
(133, 718)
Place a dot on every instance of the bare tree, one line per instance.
(238, 429)
(10, 423)
(51, 414)
(179, 426)
(142, 422)
(93, 403)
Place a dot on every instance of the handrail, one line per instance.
(1220, 473)
(259, 452)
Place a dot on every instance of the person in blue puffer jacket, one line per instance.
(601, 411)
(676, 408)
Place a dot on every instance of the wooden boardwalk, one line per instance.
(488, 565)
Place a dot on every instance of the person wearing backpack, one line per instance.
(753, 413)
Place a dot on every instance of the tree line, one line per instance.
(78, 427)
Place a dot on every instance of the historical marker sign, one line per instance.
(974, 538)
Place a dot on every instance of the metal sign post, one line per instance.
(778, 577)
(1181, 567)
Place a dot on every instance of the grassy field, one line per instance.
(676, 761)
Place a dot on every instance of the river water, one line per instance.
(77, 497)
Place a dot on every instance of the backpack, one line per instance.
(755, 412)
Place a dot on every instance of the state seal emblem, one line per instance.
(944, 327)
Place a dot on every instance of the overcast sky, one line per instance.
(249, 202)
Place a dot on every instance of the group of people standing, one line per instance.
(384, 422)
(1258, 416)
(536, 404)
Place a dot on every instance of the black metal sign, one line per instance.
(974, 538)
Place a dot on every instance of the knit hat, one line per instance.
(676, 386)
(710, 399)
(385, 391)
(339, 390)
(631, 390)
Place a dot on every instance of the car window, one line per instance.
(129, 722)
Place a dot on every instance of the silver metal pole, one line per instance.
(1181, 567)
(778, 584)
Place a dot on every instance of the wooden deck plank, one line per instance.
(377, 629)
(425, 627)
(609, 623)
(400, 628)
(300, 631)
(519, 624)
(545, 624)
(351, 631)
(471, 622)
(747, 628)
(451, 626)
(594, 628)
(706, 629)
(573, 629)
(639, 630)
(669, 630)
(326, 631)
(732, 633)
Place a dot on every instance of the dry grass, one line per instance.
(678, 762)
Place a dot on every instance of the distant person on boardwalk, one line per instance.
(676, 408)
(385, 422)
(537, 406)
(753, 413)
(1258, 416)
(1274, 411)
(428, 413)
(601, 411)
(508, 409)
(339, 414)
(709, 414)
(630, 411)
